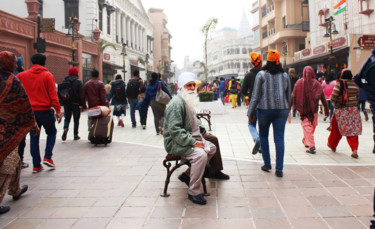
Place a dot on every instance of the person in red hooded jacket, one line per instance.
(40, 86)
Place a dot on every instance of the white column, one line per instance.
(123, 28)
(144, 41)
(128, 30)
(118, 26)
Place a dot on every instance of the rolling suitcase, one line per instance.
(101, 130)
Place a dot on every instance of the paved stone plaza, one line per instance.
(119, 186)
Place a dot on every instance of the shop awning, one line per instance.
(341, 54)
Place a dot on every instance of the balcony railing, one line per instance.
(304, 26)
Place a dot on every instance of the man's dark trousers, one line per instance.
(69, 110)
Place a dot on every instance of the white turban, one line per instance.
(185, 78)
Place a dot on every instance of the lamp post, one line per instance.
(146, 64)
(123, 53)
(330, 30)
(73, 32)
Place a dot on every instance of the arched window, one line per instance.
(71, 8)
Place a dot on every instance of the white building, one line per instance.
(120, 21)
(228, 51)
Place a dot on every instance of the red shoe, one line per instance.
(49, 162)
(37, 170)
(121, 123)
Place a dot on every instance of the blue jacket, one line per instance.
(151, 90)
(368, 89)
(222, 86)
(111, 95)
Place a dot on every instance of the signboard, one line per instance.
(306, 52)
(47, 25)
(297, 56)
(319, 50)
(106, 56)
(133, 62)
(366, 41)
(338, 42)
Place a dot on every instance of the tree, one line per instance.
(206, 29)
(103, 44)
(205, 71)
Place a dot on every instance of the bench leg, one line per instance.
(169, 174)
(205, 193)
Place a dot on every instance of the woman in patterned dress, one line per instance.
(346, 120)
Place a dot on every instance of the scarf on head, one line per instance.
(307, 93)
(16, 116)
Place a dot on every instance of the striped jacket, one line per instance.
(353, 94)
(271, 92)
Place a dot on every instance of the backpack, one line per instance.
(65, 92)
(132, 91)
(369, 72)
(119, 92)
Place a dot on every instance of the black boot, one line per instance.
(63, 137)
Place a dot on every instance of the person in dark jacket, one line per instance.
(362, 103)
(72, 107)
(360, 80)
(118, 96)
(94, 92)
(158, 109)
(247, 90)
(293, 81)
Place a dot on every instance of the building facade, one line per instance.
(228, 51)
(162, 42)
(352, 36)
(281, 25)
(123, 23)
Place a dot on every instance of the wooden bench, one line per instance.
(205, 114)
(178, 163)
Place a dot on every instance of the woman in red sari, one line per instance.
(16, 120)
(346, 120)
(306, 95)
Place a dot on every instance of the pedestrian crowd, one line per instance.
(31, 99)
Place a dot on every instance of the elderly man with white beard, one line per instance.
(182, 135)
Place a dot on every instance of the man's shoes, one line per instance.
(144, 127)
(23, 190)
(37, 170)
(24, 165)
(198, 199)
(134, 126)
(220, 176)
(256, 147)
(63, 137)
(76, 137)
(279, 173)
(4, 209)
(49, 162)
(184, 178)
(266, 168)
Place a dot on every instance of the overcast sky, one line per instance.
(186, 18)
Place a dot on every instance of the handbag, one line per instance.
(161, 96)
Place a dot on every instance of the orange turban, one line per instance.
(273, 56)
(256, 58)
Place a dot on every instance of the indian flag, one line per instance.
(340, 7)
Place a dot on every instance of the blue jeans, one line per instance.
(45, 119)
(133, 104)
(253, 129)
(222, 97)
(278, 120)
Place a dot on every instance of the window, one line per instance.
(284, 22)
(108, 22)
(71, 10)
(244, 51)
(301, 47)
(100, 17)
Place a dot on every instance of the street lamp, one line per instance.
(123, 53)
(146, 63)
(73, 32)
(331, 26)
(329, 33)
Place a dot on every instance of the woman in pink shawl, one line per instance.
(306, 95)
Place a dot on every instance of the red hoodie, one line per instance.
(40, 86)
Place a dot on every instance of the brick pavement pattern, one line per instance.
(119, 186)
